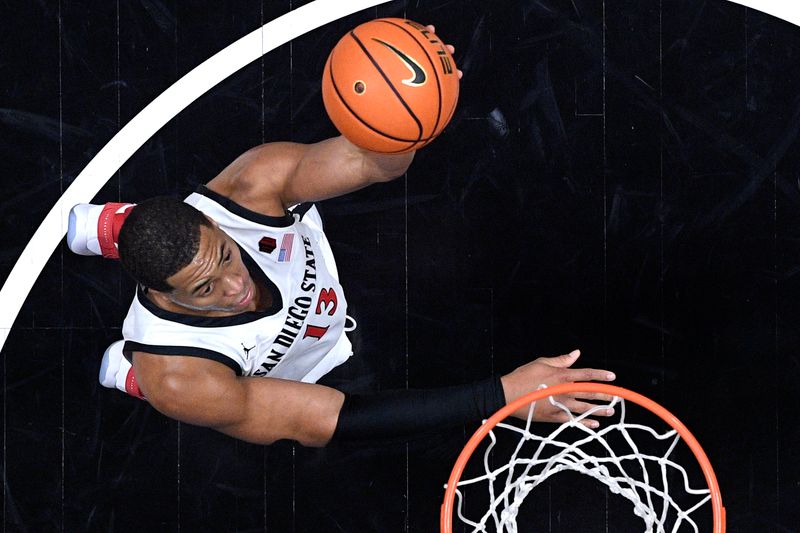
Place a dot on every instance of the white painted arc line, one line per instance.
(788, 10)
(144, 125)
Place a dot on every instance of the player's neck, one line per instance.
(264, 298)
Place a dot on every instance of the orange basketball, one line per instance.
(390, 85)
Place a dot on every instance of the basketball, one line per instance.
(390, 85)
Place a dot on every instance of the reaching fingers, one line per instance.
(579, 408)
(452, 49)
(591, 374)
(597, 396)
(589, 423)
(561, 417)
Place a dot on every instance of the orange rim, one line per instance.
(446, 520)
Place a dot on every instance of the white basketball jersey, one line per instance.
(300, 337)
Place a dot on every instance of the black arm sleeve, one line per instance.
(402, 414)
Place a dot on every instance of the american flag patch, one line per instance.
(286, 248)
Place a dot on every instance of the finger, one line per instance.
(563, 417)
(431, 28)
(589, 423)
(591, 374)
(563, 361)
(451, 48)
(560, 416)
(580, 408)
(597, 396)
(460, 74)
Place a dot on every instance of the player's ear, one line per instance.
(161, 299)
(150, 292)
(154, 292)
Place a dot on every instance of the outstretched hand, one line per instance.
(553, 371)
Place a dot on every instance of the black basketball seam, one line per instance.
(433, 68)
(357, 117)
(388, 81)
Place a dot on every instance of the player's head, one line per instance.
(184, 258)
(160, 237)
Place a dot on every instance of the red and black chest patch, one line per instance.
(267, 245)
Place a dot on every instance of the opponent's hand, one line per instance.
(431, 28)
(553, 371)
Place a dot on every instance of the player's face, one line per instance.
(216, 280)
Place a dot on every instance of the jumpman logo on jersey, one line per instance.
(247, 350)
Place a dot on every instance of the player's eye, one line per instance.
(207, 290)
(228, 257)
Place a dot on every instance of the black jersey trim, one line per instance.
(300, 210)
(190, 351)
(276, 222)
(256, 273)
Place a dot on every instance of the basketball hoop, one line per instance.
(641, 478)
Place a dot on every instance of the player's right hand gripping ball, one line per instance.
(390, 85)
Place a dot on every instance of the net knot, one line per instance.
(509, 514)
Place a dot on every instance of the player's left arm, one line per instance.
(271, 177)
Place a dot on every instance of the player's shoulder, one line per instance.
(257, 178)
(166, 377)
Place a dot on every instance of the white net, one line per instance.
(657, 486)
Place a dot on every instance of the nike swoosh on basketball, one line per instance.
(419, 77)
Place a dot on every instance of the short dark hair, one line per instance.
(160, 237)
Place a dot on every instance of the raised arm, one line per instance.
(271, 177)
(263, 410)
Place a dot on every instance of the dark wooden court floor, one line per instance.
(620, 176)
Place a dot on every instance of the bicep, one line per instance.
(283, 174)
(254, 409)
(273, 176)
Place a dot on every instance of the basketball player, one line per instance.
(239, 310)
